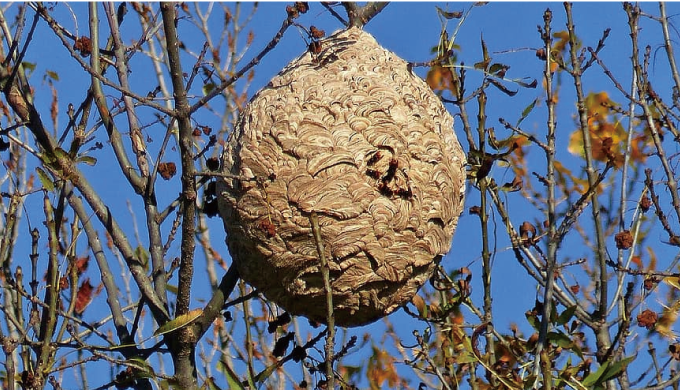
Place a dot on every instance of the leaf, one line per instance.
(81, 264)
(426, 335)
(172, 288)
(143, 368)
(52, 74)
(210, 384)
(566, 315)
(449, 14)
(208, 87)
(480, 65)
(60, 153)
(353, 372)
(498, 70)
(527, 110)
(381, 369)
(440, 78)
(560, 339)
(142, 256)
(484, 64)
(493, 141)
(672, 281)
(485, 50)
(468, 353)
(420, 305)
(48, 158)
(267, 372)
(89, 160)
(179, 322)
(45, 179)
(83, 296)
(533, 321)
(594, 377)
(532, 84)
(29, 66)
(503, 88)
(232, 378)
(466, 357)
(617, 368)
(513, 186)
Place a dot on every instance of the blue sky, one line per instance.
(410, 30)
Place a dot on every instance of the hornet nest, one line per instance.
(351, 134)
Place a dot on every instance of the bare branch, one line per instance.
(359, 16)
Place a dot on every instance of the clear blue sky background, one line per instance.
(410, 30)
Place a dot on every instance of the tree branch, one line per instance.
(359, 16)
(184, 344)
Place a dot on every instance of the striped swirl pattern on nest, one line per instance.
(353, 135)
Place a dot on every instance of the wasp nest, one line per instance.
(351, 134)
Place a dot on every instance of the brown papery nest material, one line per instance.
(353, 135)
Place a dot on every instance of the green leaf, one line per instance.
(48, 158)
(577, 350)
(179, 322)
(61, 154)
(617, 368)
(172, 288)
(560, 339)
(566, 315)
(267, 372)
(594, 377)
(481, 65)
(208, 87)
(210, 384)
(466, 357)
(468, 353)
(498, 69)
(89, 160)
(45, 179)
(533, 321)
(143, 256)
(143, 368)
(527, 110)
(553, 314)
(352, 371)
(232, 378)
(29, 66)
(52, 74)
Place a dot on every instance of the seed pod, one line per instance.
(351, 134)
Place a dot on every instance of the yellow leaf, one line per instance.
(664, 325)
(179, 322)
(672, 281)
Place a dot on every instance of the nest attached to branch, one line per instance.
(351, 134)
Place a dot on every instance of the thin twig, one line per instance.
(330, 317)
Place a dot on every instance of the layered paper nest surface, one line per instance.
(351, 134)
